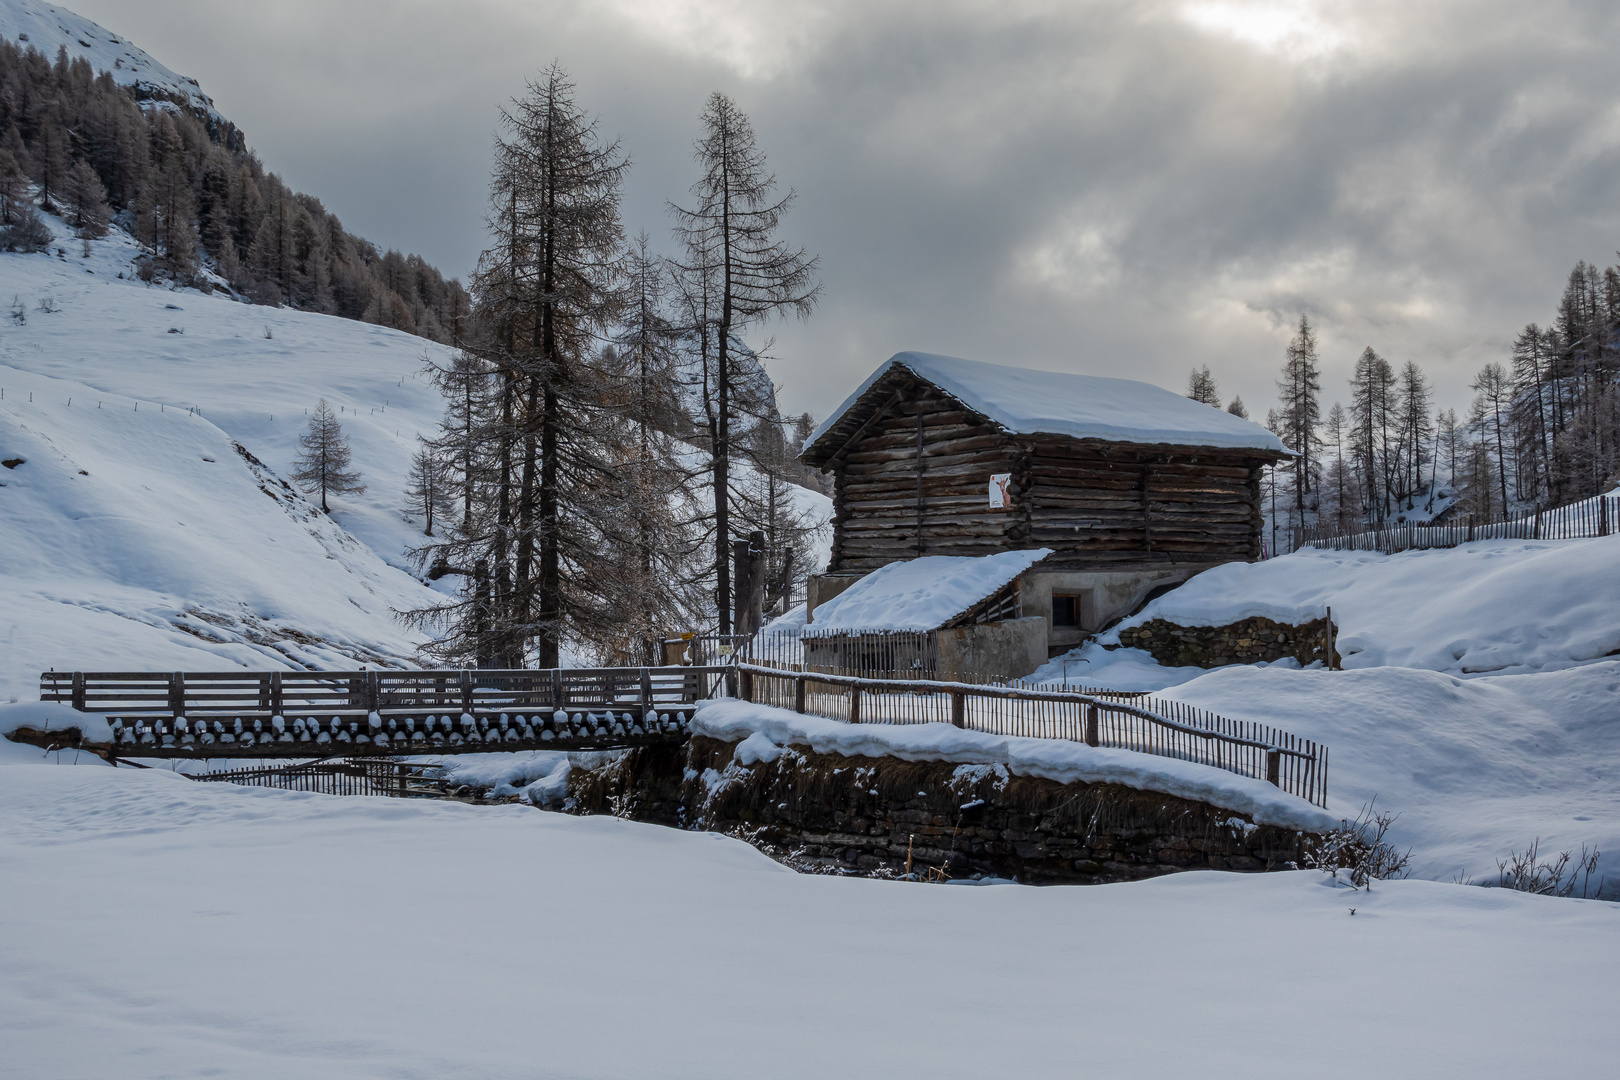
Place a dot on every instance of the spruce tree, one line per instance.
(323, 465)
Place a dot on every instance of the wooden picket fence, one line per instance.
(1578, 521)
(1143, 724)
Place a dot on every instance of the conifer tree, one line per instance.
(1237, 408)
(1201, 387)
(323, 465)
(1488, 417)
(1301, 412)
(744, 273)
(427, 496)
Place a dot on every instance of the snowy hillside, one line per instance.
(47, 28)
(1500, 606)
(100, 573)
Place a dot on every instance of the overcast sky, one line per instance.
(1113, 188)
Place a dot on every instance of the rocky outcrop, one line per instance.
(880, 816)
(1250, 641)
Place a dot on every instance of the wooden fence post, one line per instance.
(798, 694)
(1603, 516)
(1274, 767)
(78, 691)
(466, 692)
(1093, 735)
(646, 693)
(959, 708)
(373, 688)
(855, 704)
(177, 694)
(275, 693)
(745, 685)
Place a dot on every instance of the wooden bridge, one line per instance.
(377, 713)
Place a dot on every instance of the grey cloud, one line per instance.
(1101, 187)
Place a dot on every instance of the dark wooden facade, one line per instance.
(912, 469)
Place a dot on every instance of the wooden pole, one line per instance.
(959, 708)
(1093, 736)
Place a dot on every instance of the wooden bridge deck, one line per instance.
(377, 713)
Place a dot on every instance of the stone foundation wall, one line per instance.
(828, 813)
(1250, 641)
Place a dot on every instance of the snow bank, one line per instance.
(116, 882)
(1055, 759)
(1500, 606)
(1476, 768)
(922, 594)
(1083, 406)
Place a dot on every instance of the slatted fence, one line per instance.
(1147, 725)
(1578, 521)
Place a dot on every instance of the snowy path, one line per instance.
(156, 928)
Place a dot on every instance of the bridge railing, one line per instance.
(329, 694)
(1165, 728)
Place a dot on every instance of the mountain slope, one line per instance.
(47, 27)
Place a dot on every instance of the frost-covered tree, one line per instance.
(744, 274)
(323, 464)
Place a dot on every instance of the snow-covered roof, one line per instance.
(921, 594)
(47, 27)
(1027, 402)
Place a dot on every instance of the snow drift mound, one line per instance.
(137, 536)
(1492, 606)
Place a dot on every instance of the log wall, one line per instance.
(913, 481)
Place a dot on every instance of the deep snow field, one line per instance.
(160, 928)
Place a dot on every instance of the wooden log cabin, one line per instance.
(1133, 487)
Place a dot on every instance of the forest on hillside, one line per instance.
(1542, 429)
(188, 188)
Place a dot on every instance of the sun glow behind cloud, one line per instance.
(1295, 30)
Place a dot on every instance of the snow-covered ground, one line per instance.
(1478, 703)
(159, 928)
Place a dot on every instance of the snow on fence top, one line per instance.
(921, 594)
(1081, 406)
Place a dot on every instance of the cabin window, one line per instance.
(1065, 610)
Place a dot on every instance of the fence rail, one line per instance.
(1578, 521)
(365, 776)
(1147, 725)
(388, 694)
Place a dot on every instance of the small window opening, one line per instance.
(1065, 610)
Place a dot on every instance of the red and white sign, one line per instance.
(999, 499)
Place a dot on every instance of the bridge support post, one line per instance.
(1093, 736)
(177, 694)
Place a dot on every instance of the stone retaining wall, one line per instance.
(833, 814)
(1250, 641)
